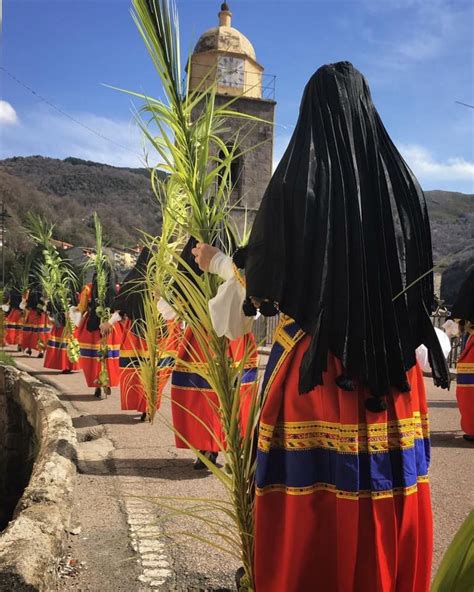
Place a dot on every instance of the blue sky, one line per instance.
(416, 54)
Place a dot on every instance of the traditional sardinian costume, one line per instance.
(56, 355)
(342, 493)
(13, 319)
(36, 324)
(463, 309)
(195, 406)
(134, 348)
(93, 347)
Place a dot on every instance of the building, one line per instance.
(225, 56)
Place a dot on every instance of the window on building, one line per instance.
(235, 180)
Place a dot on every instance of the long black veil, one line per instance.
(129, 300)
(341, 232)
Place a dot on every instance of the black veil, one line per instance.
(463, 308)
(130, 298)
(342, 230)
(93, 321)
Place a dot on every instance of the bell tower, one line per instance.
(223, 55)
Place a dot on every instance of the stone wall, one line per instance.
(37, 437)
(18, 448)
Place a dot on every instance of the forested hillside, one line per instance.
(68, 191)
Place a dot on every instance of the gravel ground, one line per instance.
(125, 464)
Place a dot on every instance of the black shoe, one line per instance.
(199, 465)
(98, 393)
(41, 355)
(468, 438)
(28, 352)
(19, 348)
(143, 416)
(66, 371)
(212, 456)
(239, 574)
(107, 391)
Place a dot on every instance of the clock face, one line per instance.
(230, 72)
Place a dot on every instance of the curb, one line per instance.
(32, 543)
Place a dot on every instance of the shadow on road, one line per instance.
(87, 421)
(39, 373)
(178, 469)
(78, 397)
(451, 439)
(442, 404)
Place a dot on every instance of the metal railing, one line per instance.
(264, 329)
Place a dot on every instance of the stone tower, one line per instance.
(225, 56)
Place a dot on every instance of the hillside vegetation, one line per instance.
(68, 191)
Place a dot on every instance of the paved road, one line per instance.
(124, 544)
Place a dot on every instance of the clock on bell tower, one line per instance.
(225, 56)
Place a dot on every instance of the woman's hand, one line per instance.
(106, 329)
(203, 254)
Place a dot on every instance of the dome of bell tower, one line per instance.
(225, 38)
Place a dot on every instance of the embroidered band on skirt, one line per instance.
(342, 497)
(132, 349)
(465, 387)
(195, 405)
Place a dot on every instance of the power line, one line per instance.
(64, 113)
(465, 104)
(88, 128)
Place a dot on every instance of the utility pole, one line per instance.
(3, 219)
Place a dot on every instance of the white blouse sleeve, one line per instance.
(167, 312)
(422, 351)
(225, 308)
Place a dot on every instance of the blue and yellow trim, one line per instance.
(188, 380)
(465, 374)
(353, 461)
(57, 342)
(91, 350)
(287, 335)
(345, 438)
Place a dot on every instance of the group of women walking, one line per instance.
(341, 249)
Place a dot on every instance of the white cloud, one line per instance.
(450, 173)
(8, 114)
(48, 133)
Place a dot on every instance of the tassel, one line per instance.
(403, 387)
(248, 308)
(345, 383)
(375, 404)
(239, 257)
(268, 309)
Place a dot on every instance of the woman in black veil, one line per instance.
(341, 246)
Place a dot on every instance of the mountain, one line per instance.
(452, 232)
(68, 191)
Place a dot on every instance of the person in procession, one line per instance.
(129, 310)
(194, 405)
(56, 355)
(13, 318)
(341, 248)
(463, 312)
(99, 359)
(36, 325)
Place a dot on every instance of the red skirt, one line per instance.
(465, 387)
(195, 406)
(90, 363)
(36, 329)
(13, 327)
(342, 497)
(56, 357)
(134, 349)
